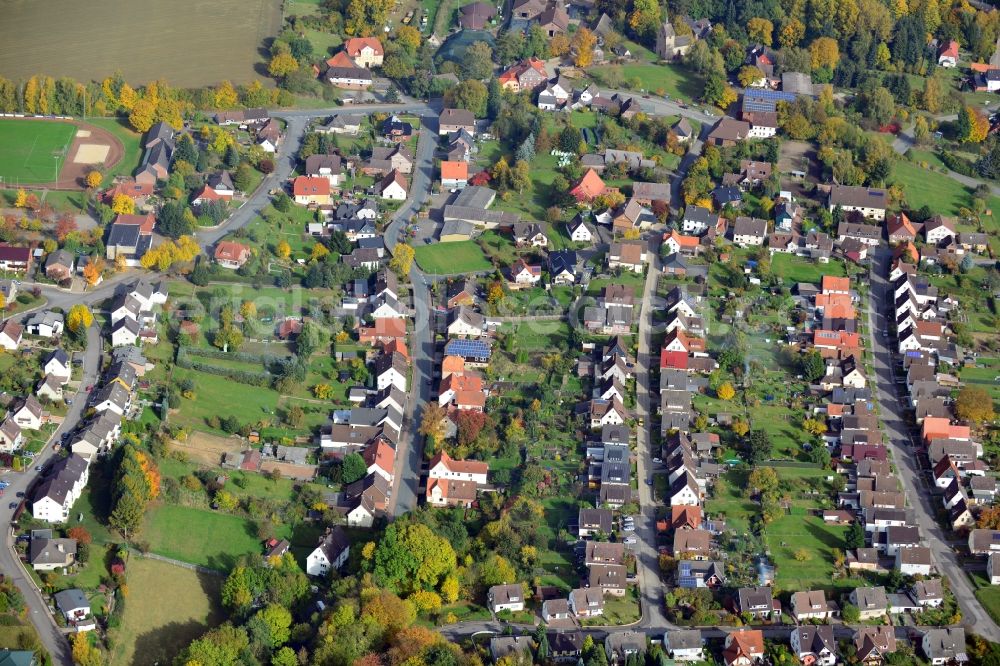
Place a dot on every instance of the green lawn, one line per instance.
(584, 119)
(922, 157)
(928, 188)
(222, 397)
(988, 595)
(985, 377)
(130, 140)
(673, 80)
(200, 536)
(33, 151)
(447, 258)
(796, 531)
(538, 336)
(162, 619)
(800, 269)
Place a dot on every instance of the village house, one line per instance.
(869, 202)
(744, 647)
(814, 645)
(330, 554)
(365, 51)
(232, 255)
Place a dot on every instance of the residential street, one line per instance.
(421, 344)
(38, 612)
(647, 557)
(901, 445)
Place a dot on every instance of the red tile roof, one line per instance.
(355, 45)
(454, 170)
(308, 186)
(145, 222)
(676, 360)
(231, 251)
(590, 187)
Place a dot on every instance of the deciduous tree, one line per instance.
(93, 270)
(94, 179)
(79, 318)
(142, 116)
(974, 404)
(282, 64)
(726, 391)
(584, 42)
(122, 204)
(824, 52)
(402, 259)
(760, 30)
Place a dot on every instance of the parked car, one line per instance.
(630, 541)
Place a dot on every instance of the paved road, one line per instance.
(894, 420)
(285, 161)
(647, 558)
(51, 636)
(409, 453)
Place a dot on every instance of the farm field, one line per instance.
(163, 618)
(32, 151)
(169, 40)
(445, 258)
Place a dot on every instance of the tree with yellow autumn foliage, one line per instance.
(94, 179)
(122, 204)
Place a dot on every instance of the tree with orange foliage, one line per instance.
(93, 271)
(411, 642)
(65, 226)
(989, 518)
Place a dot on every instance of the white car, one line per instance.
(628, 527)
(630, 541)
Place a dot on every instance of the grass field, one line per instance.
(33, 151)
(445, 258)
(174, 41)
(800, 269)
(660, 79)
(928, 188)
(198, 536)
(162, 619)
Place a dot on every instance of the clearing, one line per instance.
(448, 258)
(33, 151)
(172, 40)
(164, 618)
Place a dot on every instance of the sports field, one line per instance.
(33, 151)
(187, 43)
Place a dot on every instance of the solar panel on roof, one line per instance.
(467, 347)
(764, 101)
